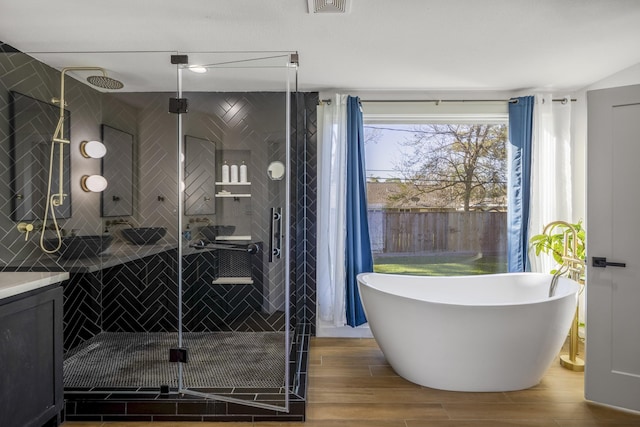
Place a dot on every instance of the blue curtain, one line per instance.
(358, 258)
(519, 185)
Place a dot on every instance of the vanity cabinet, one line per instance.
(31, 388)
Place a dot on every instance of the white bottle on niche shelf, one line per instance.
(225, 172)
(234, 173)
(243, 173)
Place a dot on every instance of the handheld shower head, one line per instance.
(105, 82)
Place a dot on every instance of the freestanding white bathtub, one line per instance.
(497, 332)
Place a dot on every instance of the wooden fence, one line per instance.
(410, 232)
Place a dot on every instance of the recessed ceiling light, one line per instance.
(197, 69)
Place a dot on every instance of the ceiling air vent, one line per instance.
(328, 6)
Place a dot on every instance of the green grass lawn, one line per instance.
(440, 265)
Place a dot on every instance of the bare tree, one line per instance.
(372, 135)
(455, 163)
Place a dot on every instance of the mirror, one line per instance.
(117, 168)
(199, 176)
(275, 171)
(32, 125)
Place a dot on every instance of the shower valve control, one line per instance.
(26, 228)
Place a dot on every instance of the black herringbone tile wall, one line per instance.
(140, 296)
(306, 177)
(82, 309)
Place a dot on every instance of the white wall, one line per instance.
(628, 76)
(579, 155)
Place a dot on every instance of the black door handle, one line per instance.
(602, 262)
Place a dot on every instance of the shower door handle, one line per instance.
(275, 243)
(603, 263)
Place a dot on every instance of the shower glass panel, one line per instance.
(233, 276)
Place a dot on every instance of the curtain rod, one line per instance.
(439, 101)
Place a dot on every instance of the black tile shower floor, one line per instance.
(122, 360)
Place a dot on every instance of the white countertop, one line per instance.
(14, 283)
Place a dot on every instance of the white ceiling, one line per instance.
(379, 45)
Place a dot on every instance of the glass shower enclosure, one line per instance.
(191, 299)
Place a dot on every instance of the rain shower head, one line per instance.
(105, 82)
(101, 81)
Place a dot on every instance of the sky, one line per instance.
(381, 156)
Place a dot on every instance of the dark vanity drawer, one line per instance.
(31, 389)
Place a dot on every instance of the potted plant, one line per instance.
(559, 242)
(565, 242)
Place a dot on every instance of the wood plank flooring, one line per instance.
(351, 385)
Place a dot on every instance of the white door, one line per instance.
(612, 374)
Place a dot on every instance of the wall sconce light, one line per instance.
(93, 149)
(93, 183)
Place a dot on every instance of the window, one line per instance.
(436, 189)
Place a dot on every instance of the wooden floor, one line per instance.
(351, 385)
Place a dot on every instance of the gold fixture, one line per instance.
(93, 183)
(26, 228)
(574, 269)
(118, 221)
(92, 149)
(58, 138)
(203, 220)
